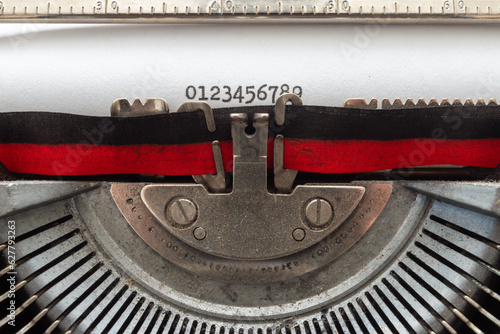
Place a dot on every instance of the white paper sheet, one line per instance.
(84, 68)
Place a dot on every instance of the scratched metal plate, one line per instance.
(423, 266)
(153, 11)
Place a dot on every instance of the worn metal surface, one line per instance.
(360, 104)
(182, 211)
(483, 198)
(17, 197)
(409, 103)
(123, 108)
(217, 182)
(257, 238)
(152, 11)
(318, 212)
(283, 178)
(251, 224)
(439, 257)
(422, 269)
(203, 106)
(279, 110)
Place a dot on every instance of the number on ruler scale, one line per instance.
(345, 5)
(109, 9)
(330, 5)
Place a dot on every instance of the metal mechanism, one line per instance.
(246, 238)
(353, 257)
(238, 224)
(251, 11)
(279, 110)
(283, 178)
(360, 104)
(318, 212)
(398, 104)
(215, 183)
(123, 108)
(483, 198)
(424, 265)
(203, 106)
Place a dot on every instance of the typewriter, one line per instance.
(378, 216)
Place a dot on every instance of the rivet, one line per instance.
(199, 233)
(299, 234)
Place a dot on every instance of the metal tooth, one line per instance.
(469, 102)
(421, 103)
(480, 102)
(373, 104)
(360, 104)
(386, 104)
(397, 104)
(433, 103)
(409, 104)
(123, 108)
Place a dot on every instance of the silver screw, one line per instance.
(298, 234)
(183, 211)
(318, 212)
(199, 233)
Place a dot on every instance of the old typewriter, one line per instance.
(286, 217)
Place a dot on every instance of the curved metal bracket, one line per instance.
(279, 109)
(217, 182)
(283, 178)
(205, 107)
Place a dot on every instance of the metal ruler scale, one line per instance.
(255, 10)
